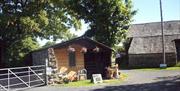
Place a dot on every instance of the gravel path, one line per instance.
(138, 80)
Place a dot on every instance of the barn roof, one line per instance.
(80, 40)
(154, 29)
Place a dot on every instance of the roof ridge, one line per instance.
(156, 22)
(75, 39)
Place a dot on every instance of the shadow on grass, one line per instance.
(171, 83)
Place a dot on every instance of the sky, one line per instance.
(147, 11)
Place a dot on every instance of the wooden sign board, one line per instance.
(97, 78)
(163, 65)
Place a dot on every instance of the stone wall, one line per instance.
(150, 60)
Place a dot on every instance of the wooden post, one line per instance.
(162, 31)
(45, 72)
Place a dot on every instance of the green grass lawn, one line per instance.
(88, 82)
(152, 69)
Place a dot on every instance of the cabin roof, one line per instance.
(76, 40)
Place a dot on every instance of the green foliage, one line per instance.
(22, 21)
(49, 43)
(25, 20)
(42, 18)
(108, 19)
(119, 48)
(18, 50)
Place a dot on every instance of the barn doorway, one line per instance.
(90, 63)
(177, 44)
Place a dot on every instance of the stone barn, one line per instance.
(146, 44)
(75, 54)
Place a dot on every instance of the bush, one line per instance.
(178, 64)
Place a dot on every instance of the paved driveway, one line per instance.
(138, 80)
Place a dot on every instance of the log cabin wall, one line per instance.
(62, 56)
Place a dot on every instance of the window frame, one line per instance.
(72, 59)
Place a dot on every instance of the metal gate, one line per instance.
(22, 77)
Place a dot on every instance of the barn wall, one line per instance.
(143, 45)
(150, 60)
(63, 60)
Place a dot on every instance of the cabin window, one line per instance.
(72, 59)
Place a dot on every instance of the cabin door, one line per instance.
(90, 63)
(94, 63)
(177, 43)
(101, 63)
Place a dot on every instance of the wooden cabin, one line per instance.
(77, 54)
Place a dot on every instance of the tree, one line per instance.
(49, 43)
(17, 51)
(109, 20)
(35, 18)
(25, 20)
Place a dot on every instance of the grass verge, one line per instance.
(152, 69)
(178, 64)
(88, 82)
